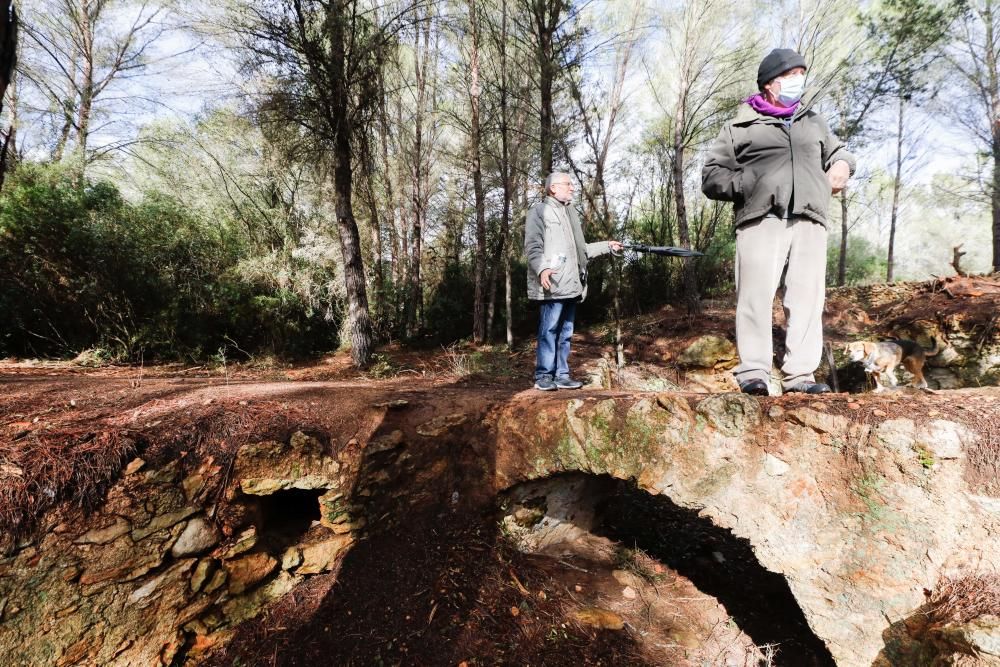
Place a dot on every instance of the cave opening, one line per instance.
(286, 515)
(719, 564)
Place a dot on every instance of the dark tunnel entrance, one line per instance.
(286, 515)
(719, 564)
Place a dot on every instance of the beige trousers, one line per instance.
(762, 249)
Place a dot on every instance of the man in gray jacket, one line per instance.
(557, 277)
(778, 162)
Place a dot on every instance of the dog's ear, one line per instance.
(868, 347)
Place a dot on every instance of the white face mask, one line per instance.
(792, 88)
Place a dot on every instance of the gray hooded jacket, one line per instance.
(767, 165)
(553, 239)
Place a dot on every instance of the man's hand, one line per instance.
(839, 172)
(546, 278)
(616, 246)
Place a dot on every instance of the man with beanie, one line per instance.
(778, 163)
(557, 277)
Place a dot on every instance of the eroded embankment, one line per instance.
(859, 504)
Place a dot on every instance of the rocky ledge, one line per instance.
(861, 504)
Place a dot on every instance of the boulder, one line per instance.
(248, 571)
(709, 351)
(198, 536)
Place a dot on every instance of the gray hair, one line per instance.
(552, 177)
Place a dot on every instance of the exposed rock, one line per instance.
(149, 589)
(945, 439)
(162, 521)
(122, 560)
(248, 571)
(266, 467)
(216, 582)
(440, 425)
(599, 374)
(774, 466)
(626, 578)
(978, 637)
(526, 517)
(897, 434)
(333, 509)
(858, 515)
(858, 530)
(134, 466)
(393, 405)
(386, 442)
(709, 351)
(596, 617)
(348, 527)
(199, 535)
(244, 542)
(565, 513)
(291, 558)
(193, 485)
(202, 571)
(243, 607)
(305, 443)
(731, 414)
(821, 422)
(104, 535)
(323, 556)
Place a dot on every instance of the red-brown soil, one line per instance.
(445, 589)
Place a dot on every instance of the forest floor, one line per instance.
(453, 592)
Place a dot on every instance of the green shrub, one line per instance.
(82, 268)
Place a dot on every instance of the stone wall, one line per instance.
(860, 503)
(173, 562)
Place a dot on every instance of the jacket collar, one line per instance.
(552, 201)
(746, 114)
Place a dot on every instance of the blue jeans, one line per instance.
(555, 328)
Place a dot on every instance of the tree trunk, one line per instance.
(500, 257)
(389, 310)
(993, 77)
(546, 17)
(359, 325)
(842, 263)
(897, 185)
(403, 232)
(691, 297)
(376, 230)
(479, 306)
(995, 199)
(508, 305)
(8, 59)
(415, 301)
(87, 79)
(504, 167)
(8, 44)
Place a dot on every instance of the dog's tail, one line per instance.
(936, 349)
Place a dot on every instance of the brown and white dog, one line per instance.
(881, 359)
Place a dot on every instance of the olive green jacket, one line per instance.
(766, 165)
(553, 239)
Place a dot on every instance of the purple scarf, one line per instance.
(761, 105)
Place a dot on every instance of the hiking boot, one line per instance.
(807, 387)
(754, 388)
(568, 383)
(545, 384)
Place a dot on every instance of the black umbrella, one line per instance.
(667, 251)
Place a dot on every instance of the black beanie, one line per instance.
(776, 62)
